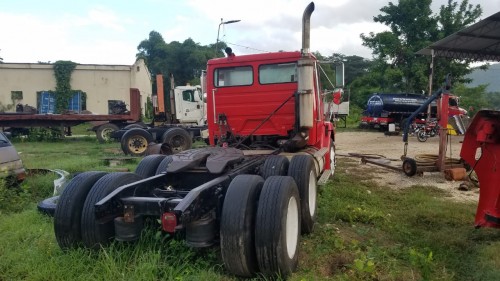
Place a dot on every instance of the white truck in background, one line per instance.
(176, 128)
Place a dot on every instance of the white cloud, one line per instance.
(100, 33)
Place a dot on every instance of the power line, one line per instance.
(247, 47)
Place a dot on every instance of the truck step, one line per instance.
(324, 177)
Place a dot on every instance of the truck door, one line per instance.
(190, 105)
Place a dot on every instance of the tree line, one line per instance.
(394, 66)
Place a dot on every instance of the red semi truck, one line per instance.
(253, 191)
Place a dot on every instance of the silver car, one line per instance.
(11, 166)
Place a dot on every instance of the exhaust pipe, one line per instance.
(306, 28)
(305, 87)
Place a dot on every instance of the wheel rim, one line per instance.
(292, 227)
(106, 134)
(406, 167)
(312, 193)
(422, 136)
(332, 160)
(178, 143)
(137, 144)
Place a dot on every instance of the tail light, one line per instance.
(169, 222)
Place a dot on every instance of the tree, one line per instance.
(472, 99)
(154, 52)
(183, 60)
(412, 28)
(451, 20)
(354, 66)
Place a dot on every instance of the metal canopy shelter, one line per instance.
(479, 42)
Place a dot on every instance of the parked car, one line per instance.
(11, 166)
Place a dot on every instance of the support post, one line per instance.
(443, 130)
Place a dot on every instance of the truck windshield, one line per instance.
(233, 76)
(278, 73)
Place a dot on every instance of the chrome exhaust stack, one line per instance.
(305, 86)
(305, 71)
(306, 29)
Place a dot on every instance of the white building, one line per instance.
(100, 83)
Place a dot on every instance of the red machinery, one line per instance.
(481, 150)
(443, 97)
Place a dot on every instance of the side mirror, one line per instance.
(337, 96)
(339, 75)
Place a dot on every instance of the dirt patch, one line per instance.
(392, 148)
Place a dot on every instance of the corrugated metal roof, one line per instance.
(479, 42)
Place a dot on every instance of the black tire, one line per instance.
(148, 165)
(277, 227)
(94, 234)
(133, 126)
(422, 136)
(135, 142)
(178, 139)
(237, 240)
(48, 206)
(275, 165)
(162, 168)
(409, 167)
(303, 171)
(103, 132)
(67, 218)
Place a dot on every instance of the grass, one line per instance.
(364, 232)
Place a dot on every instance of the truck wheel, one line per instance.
(103, 132)
(409, 167)
(48, 206)
(275, 165)
(333, 158)
(148, 165)
(277, 227)
(238, 225)
(135, 142)
(95, 234)
(422, 136)
(302, 170)
(162, 168)
(67, 218)
(178, 139)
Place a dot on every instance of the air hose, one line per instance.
(427, 160)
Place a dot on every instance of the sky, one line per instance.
(109, 31)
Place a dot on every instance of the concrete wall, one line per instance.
(100, 82)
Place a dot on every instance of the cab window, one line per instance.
(233, 76)
(278, 73)
(188, 95)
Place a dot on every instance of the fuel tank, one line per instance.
(380, 102)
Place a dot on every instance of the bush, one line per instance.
(12, 198)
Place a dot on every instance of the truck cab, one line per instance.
(253, 99)
(189, 105)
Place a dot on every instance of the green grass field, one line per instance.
(364, 232)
